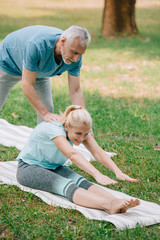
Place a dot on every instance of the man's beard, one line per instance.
(68, 63)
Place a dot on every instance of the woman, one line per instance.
(42, 163)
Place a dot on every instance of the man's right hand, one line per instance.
(51, 117)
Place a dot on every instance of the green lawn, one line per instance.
(120, 81)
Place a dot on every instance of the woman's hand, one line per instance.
(125, 177)
(104, 180)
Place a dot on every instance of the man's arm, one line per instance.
(75, 91)
(28, 81)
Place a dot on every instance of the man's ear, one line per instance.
(63, 40)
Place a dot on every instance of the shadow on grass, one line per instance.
(145, 45)
(126, 117)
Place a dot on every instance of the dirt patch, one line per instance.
(72, 4)
(68, 4)
(135, 66)
(123, 79)
(147, 3)
(94, 68)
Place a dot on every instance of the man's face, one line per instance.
(72, 50)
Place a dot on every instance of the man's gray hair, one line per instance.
(76, 31)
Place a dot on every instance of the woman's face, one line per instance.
(77, 134)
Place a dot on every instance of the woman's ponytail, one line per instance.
(75, 115)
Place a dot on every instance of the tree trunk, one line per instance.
(119, 18)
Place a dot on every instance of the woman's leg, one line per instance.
(103, 193)
(99, 200)
(95, 197)
(43, 89)
(37, 177)
(79, 180)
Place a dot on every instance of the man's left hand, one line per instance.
(51, 117)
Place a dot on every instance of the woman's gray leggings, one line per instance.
(62, 181)
(42, 87)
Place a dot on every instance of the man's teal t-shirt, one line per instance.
(33, 47)
(40, 148)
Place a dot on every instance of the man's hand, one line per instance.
(124, 177)
(51, 117)
(104, 180)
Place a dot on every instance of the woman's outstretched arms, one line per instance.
(66, 148)
(100, 155)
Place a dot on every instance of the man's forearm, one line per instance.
(77, 98)
(75, 91)
(34, 100)
(28, 81)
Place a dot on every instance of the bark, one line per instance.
(119, 18)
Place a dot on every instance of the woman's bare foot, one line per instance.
(122, 205)
(133, 202)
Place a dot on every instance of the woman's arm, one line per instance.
(100, 155)
(66, 148)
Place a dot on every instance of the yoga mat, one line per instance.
(146, 214)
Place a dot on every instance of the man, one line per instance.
(36, 53)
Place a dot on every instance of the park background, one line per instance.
(120, 81)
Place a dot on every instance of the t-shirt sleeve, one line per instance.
(75, 71)
(53, 130)
(31, 56)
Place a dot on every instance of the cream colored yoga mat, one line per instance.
(146, 214)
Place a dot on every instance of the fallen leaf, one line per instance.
(15, 115)
(156, 149)
(140, 148)
(145, 117)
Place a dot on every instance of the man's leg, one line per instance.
(7, 82)
(43, 89)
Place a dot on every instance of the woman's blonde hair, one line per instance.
(75, 115)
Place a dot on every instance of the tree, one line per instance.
(119, 18)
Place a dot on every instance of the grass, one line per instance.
(120, 81)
